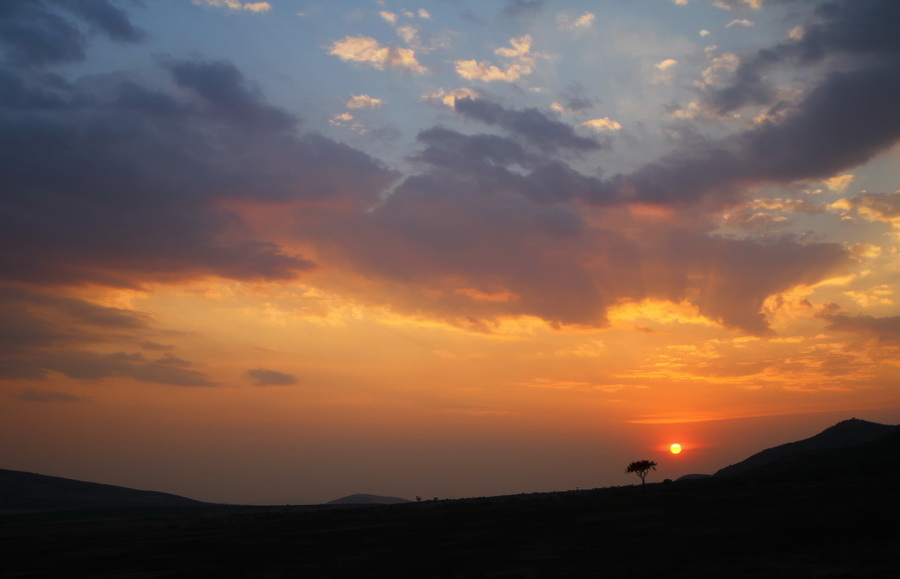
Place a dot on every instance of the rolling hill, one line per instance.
(22, 492)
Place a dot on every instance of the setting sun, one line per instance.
(675, 448)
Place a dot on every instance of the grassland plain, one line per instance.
(811, 526)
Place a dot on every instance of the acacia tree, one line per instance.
(641, 468)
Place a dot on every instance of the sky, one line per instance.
(286, 251)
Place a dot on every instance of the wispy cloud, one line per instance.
(567, 22)
(236, 5)
(742, 22)
(264, 377)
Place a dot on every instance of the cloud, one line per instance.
(223, 88)
(426, 245)
(341, 119)
(367, 50)
(886, 328)
(840, 183)
(874, 207)
(263, 377)
(129, 188)
(364, 101)
(566, 22)
(536, 127)
(721, 69)
(766, 214)
(519, 51)
(861, 32)
(743, 22)
(41, 332)
(128, 179)
(862, 106)
(518, 48)
(737, 4)
(236, 5)
(449, 97)
(486, 72)
(602, 124)
(666, 64)
(410, 36)
(33, 33)
(388, 16)
(85, 365)
(875, 296)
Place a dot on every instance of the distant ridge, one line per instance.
(846, 434)
(367, 500)
(22, 492)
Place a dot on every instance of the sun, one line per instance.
(675, 448)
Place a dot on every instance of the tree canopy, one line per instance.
(641, 468)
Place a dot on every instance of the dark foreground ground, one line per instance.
(844, 526)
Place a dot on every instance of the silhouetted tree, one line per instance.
(641, 468)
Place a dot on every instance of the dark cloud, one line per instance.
(492, 163)
(263, 377)
(847, 116)
(440, 238)
(33, 319)
(42, 333)
(112, 180)
(477, 245)
(48, 32)
(123, 179)
(448, 148)
(104, 17)
(92, 314)
(534, 126)
(153, 346)
(739, 274)
(846, 120)
(84, 365)
(226, 93)
(864, 31)
(886, 328)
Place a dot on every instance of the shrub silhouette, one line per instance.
(641, 468)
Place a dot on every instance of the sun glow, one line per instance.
(675, 448)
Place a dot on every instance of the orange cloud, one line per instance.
(367, 50)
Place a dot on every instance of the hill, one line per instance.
(367, 500)
(22, 492)
(843, 435)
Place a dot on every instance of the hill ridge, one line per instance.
(22, 491)
(842, 435)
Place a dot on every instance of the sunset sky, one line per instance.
(281, 252)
